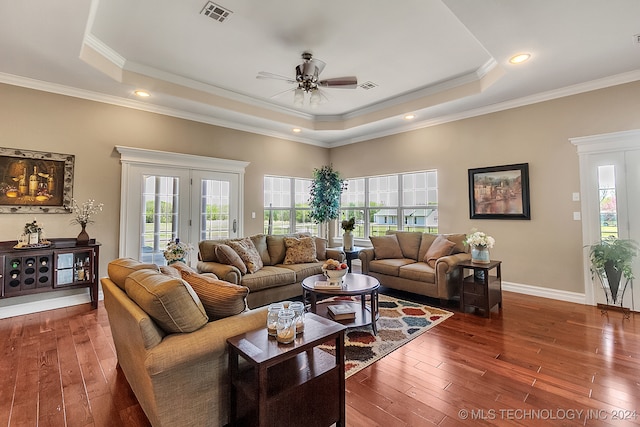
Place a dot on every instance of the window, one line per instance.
(608, 205)
(286, 206)
(406, 202)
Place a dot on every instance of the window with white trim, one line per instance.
(286, 206)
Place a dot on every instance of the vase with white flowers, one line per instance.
(480, 244)
(83, 216)
(176, 251)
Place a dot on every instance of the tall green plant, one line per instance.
(324, 194)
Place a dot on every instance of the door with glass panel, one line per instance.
(214, 205)
(165, 204)
(614, 195)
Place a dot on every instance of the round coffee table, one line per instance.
(354, 284)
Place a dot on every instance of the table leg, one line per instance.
(374, 311)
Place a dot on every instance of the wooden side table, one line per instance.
(288, 384)
(480, 290)
(350, 255)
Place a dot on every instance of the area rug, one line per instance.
(400, 321)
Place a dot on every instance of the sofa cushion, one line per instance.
(120, 268)
(304, 270)
(248, 252)
(207, 249)
(425, 243)
(269, 277)
(260, 242)
(170, 271)
(386, 246)
(171, 302)
(418, 271)
(409, 242)
(439, 248)
(300, 250)
(458, 239)
(321, 248)
(389, 266)
(220, 299)
(227, 255)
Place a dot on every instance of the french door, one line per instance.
(610, 185)
(164, 203)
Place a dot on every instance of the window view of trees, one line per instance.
(286, 206)
(393, 202)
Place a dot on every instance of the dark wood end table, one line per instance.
(288, 384)
(480, 290)
(355, 284)
(350, 254)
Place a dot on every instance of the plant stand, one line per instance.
(604, 310)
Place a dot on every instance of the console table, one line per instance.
(62, 265)
(480, 290)
(288, 384)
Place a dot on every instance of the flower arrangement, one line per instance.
(85, 212)
(332, 264)
(479, 239)
(32, 227)
(176, 251)
(349, 225)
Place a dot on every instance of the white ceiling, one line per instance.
(438, 59)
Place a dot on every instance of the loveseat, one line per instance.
(170, 339)
(275, 269)
(420, 263)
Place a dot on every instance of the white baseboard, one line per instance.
(537, 291)
(45, 304)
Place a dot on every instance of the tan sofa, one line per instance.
(399, 263)
(180, 379)
(275, 281)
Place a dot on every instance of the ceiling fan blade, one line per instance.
(282, 93)
(267, 75)
(340, 82)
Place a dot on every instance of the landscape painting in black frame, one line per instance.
(499, 192)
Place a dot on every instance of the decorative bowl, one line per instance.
(335, 276)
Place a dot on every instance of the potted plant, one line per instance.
(347, 237)
(324, 195)
(611, 260)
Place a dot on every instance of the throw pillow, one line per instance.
(226, 255)
(300, 250)
(219, 298)
(170, 302)
(321, 248)
(120, 268)
(248, 253)
(386, 246)
(439, 248)
(170, 271)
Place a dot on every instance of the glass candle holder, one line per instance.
(286, 326)
(298, 311)
(272, 317)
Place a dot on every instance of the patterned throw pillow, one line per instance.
(439, 248)
(300, 250)
(219, 298)
(227, 255)
(248, 253)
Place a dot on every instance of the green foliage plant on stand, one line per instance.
(324, 195)
(611, 260)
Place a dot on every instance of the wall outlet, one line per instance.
(576, 197)
(253, 215)
(576, 216)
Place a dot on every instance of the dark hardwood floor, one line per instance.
(537, 362)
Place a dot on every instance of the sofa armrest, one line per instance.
(337, 254)
(448, 275)
(366, 256)
(446, 264)
(225, 272)
(208, 342)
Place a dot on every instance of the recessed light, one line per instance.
(520, 58)
(296, 130)
(410, 117)
(142, 93)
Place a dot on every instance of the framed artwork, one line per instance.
(499, 192)
(35, 182)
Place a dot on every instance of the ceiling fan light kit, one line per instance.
(307, 79)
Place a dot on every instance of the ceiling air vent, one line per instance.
(215, 11)
(368, 85)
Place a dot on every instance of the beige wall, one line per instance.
(547, 250)
(89, 130)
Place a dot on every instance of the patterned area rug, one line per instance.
(400, 321)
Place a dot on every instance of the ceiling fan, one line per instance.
(307, 80)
